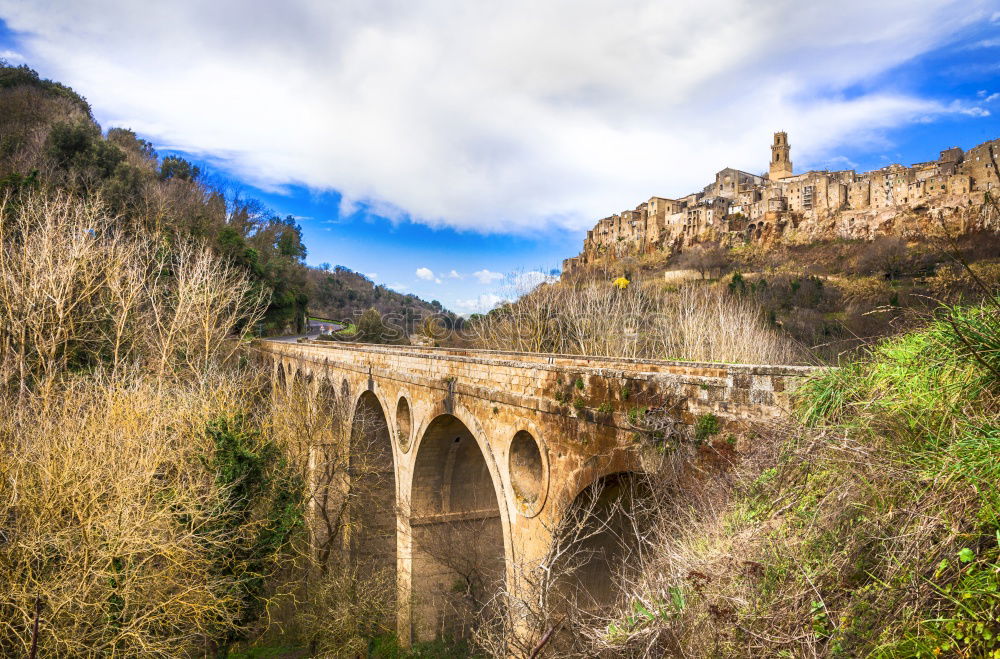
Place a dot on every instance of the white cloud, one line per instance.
(371, 275)
(485, 276)
(425, 273)
(455, 275)
(11, 56)
(525, 281)
(399, 288)
(840, 162)
(526, 114)
(480, 304)
(991, 98)
(995, 18)
(970, 110)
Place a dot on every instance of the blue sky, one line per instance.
(423, 142)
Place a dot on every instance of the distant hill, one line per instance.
(341, 294)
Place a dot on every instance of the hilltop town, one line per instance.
(741, 207)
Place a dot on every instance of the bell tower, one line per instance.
(781, 164)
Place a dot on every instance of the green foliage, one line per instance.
(20, 76)
(342, 294)
(706, 426)
(15, 182)
(874, 533)
(387, 647)
(578, 383)
(261, 508)
(579, 404)
(934, 393)
(370, 328)
(636, 415)
(78, 146)
(605, 408)
(173, 167)
(737, 284)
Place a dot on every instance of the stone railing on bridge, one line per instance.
(532, 380)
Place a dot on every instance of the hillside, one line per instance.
(830, 297)
(50, 141)
(341, 294)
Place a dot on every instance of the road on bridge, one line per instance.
(315, 328)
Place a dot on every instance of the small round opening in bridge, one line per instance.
(403, 423)
(526, 471)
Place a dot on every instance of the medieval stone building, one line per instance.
(740, 206)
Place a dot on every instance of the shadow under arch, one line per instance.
(457, 532)
(371, 533)
(599, 539)
(280, 376)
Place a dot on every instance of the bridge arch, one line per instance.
(280, 377)
(601, 542)
(459, 526)
(372, 508)
(326, 392)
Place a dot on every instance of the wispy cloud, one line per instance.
(11, 56)
(454, 274)
(485, 276)
(525, 281)
(527, 114)
(480, 304)
(837, 162)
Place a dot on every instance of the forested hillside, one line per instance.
(339, 293)
(50, 140)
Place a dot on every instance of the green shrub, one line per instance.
(706, 426)
(261, 508)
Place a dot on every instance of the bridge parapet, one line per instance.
(539, 381)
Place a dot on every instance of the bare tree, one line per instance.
(596, 318)
(705, 258)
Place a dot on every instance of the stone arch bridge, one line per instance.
(505, 441)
